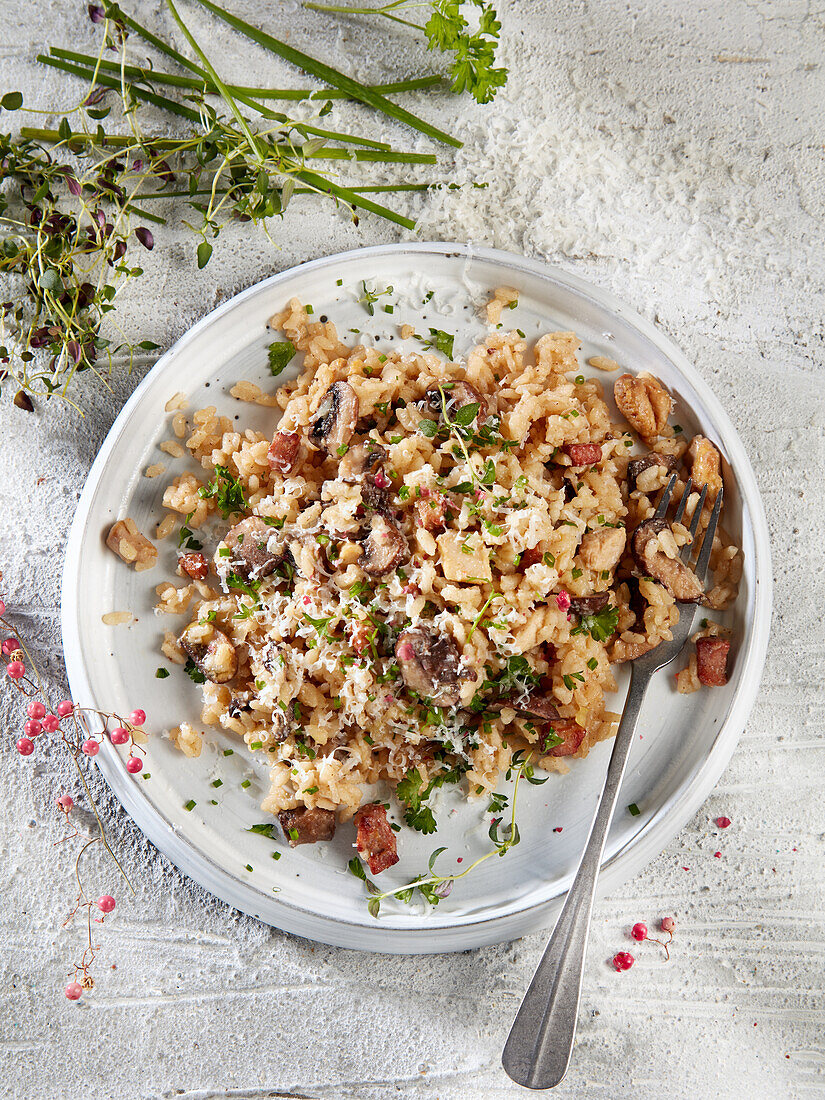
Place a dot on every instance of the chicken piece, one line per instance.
(644, 403)
(464, 557)
(706, 465)
(602, 549)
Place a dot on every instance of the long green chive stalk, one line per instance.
(329, 75)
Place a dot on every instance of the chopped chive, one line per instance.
(246, 783)
(389, 309)
(162, 673)
(147, 775)
(255, 745)
(276, 855)
(592, 664)
(339, 282)
(190, 805)
(217, 782)
(228, 752)
(633, 810)
(249, 867)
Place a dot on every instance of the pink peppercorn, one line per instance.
(639, 931)
(106, 903)
(10, 645)
(119, 736)
(33, 728)
(563, 601)
(35, 710)
(723, 822)
(65, 708)
(134, 764)
(668, 924)
(16, 669)
(405, 651)
(50, 723)
(65, 802)
(137, 717)
(74, 991)
(623, 960)
(25, 747)
(90, 747)
(2, 608)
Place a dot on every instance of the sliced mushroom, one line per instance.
(638, 465)
(455, 396)
(307, 826)
(334, 423)
(538, 705)
(431, 665)
(361, 458)
(249, 544)
(589, 605)
(384, 546)
(211, 650)
(680, 581)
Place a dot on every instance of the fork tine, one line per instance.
(664, 503)
(688, 548)
(707, 543)
(680, 511)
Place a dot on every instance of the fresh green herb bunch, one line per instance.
(68, 207)
(447, 29)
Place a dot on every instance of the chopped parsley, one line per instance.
(193, 672)
(441, 341)
(185, 538)
(227, 491)
(600, 626)
(161, 673)
(281, 353)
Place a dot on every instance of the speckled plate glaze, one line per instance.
(687, 740)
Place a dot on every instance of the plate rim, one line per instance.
(623, 864)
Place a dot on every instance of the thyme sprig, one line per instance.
(67, 219)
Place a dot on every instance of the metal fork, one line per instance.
(540, 1044)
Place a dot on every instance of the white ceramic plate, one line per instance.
(687, 740)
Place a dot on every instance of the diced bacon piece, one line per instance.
(283, 451)
(431, 513)
(583, 454)
(361, 635)
(307, 826)
(375, 840)
(572, 733)
(194, 566)
(712, 661)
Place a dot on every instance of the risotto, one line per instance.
(426, 568)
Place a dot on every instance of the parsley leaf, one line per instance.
(280, 354)
(227, 491)
(474, 54)
(265, 829)
(601, 626)
(441, 341)
(417, 815)
(193, 672)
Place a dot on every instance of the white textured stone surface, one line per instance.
(672, 153)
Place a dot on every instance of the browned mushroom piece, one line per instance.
(284, 452)
(454, 396)
(249, 545)
(431, 511)
(431, 665)
(539, 706)
(383, 548)
(211, 650)
(332, 426)
(361, 458)
(307, 826)
(589, 605)
(680, 581)
(638, 465)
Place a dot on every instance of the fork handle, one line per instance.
(538, 1049)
